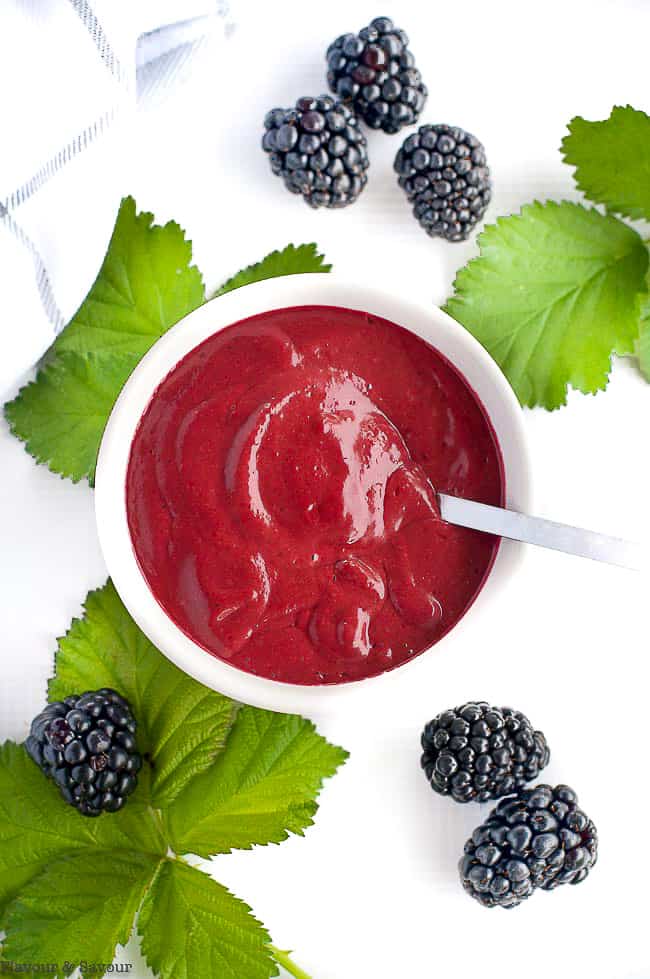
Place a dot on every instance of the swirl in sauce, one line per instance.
(281, 502)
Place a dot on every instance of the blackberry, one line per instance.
(538, 838)
(319, 151)
(444, 173)
(86, 743)
(375, 71)
(477, 752)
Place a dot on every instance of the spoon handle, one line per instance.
(545, 533)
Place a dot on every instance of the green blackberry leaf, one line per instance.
(146, 284)
(61, 416)
(182, 725)
(644, 345)
(644, 332)
(37, 826)
(292, 259)
(78, 910)
(192, 927)
(612, 160)
(261, 788)
(554, 292)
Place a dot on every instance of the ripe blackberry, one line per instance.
(319, 151)
(375, 71)
(538, 838)
(443, 171)
(477, 752)
(86, 743)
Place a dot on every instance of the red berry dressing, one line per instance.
(280, 494)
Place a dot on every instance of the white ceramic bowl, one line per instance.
(430, 323)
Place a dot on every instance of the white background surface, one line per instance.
(372, 889)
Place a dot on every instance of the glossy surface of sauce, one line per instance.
(280, 494)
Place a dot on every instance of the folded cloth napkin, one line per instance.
(75, 73)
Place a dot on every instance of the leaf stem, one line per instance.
(282, 958)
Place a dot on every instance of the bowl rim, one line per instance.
(317, 289)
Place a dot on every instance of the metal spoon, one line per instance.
(545, 533)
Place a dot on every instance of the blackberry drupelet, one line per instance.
(478, 752)
(537, 839)
(375, 71)
(319, 151)
(444, 173)
(86, 743)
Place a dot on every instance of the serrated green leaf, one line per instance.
(612, 160)
(278, 762)
(260, 789)
(61, 416)
(37, 826)
(146, 284)
(553, 294)
(292, 259)
(182, 724)
(643, 348)
(78, 910)
(644, 344)
(192, 927)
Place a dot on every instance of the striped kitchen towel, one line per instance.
(74, 73)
